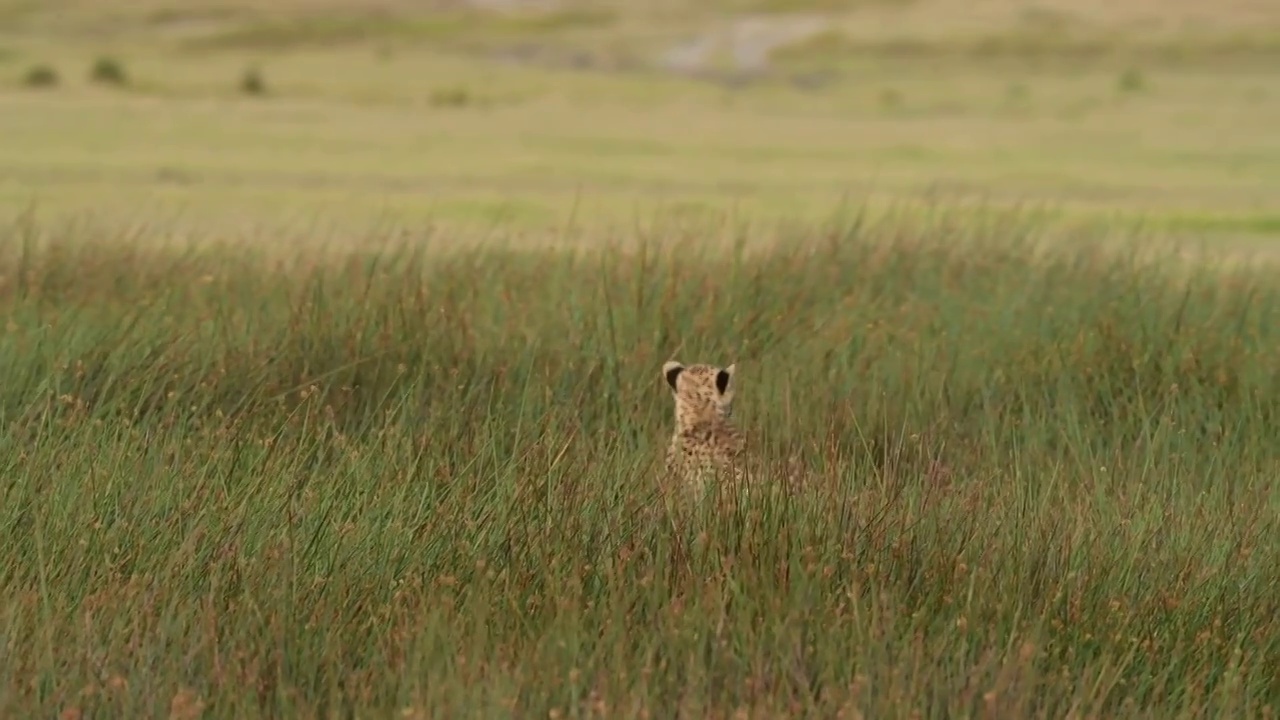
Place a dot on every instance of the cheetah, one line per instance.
(705, 442)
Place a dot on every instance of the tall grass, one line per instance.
(421, 483)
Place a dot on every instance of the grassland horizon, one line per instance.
(382, 481)
(234, 116)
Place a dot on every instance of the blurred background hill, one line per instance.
(532, 110)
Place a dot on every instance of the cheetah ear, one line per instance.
(672, 369)
(723, 377)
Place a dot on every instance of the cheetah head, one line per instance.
(702, 392)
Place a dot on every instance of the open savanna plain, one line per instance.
(332, 340)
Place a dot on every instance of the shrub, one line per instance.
(108, 71)
(1131, 81)
(451, 97)
(252, 82)
(40, 76)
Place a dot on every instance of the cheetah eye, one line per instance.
(722, 381)
(672, 374)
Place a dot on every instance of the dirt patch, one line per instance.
(743, 45)
(501, 5)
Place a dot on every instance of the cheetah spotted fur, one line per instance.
(705, 443)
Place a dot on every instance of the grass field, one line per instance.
(340, 396)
